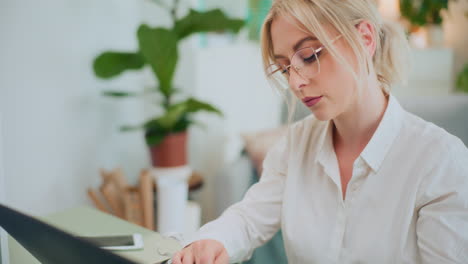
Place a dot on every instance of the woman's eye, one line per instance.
(312, 58)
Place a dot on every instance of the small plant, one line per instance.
(462, 80)
(158, 48)
(421, 13)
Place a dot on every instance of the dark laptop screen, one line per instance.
(51, 245)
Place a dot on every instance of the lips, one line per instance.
(311, 101)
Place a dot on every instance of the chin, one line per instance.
(322, 115)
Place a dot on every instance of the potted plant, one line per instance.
(426, 15)
(165, 134)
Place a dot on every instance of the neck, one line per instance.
(354, 128)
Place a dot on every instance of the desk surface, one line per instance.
(88, 221)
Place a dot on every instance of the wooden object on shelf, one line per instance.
(113, 195)
(93, 195)
(195, 181)
(131, 203)
(147, 199)
(132, 206)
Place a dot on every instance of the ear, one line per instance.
(367, 32)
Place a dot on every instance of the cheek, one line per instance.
(335, 80)
(338, 85)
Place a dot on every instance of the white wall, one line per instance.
(3, 237)
(58, 130)
(230, 76)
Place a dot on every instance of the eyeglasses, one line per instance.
(305, 62)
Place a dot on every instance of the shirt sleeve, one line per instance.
(253, 221)
(442, 225)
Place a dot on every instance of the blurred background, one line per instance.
(57, 129)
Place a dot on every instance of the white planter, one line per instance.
(172, 195)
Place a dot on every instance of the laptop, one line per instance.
(51, 245)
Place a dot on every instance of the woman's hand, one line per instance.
(204, 251)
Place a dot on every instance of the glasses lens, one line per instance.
(277, 76)
(307, 63)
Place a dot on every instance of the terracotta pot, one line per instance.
(171, 152)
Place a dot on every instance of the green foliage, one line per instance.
(211, 21)
(423, 12)
(118, 94)
(110, 64)
(158, 48)
(176, 119)
(257, 12)
(462, 80)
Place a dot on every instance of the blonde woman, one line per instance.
(359, 181)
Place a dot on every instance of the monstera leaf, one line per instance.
(211, 21)
(159, 48)
(110, 64)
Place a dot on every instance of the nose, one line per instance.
(296, 81)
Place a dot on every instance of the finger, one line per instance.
(177, 258)
(187, 258)
(206, 257)
(223, 258)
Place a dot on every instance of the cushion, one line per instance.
(257, 144)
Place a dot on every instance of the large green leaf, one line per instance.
(110, 64)
(159, 48)
(213, 20)
(194, 105)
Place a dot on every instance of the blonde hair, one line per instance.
(390, 60)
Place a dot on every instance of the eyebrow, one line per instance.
(297, 45)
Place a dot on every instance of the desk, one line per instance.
(88, 221)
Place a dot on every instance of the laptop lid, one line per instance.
(52, 245)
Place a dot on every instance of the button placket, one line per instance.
(339, 232)
(359, 171)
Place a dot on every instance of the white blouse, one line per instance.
(407, 200)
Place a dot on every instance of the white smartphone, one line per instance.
(117, 242)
